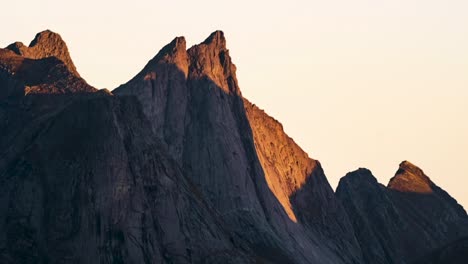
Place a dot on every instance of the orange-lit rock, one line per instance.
(285, 164)
(410, 178)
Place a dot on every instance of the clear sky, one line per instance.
(362, 83)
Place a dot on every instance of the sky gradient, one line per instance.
(361, 83)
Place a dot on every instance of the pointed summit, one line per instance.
(173, 53)
(410, 178)
(46, 37)
(210, 60)
(217, 39)
(44, 45)
(176, 46)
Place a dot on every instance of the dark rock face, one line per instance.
(178, 167)
(453, 253)
(161, 88)
(216, 135)
(90, 184)
(405, 220)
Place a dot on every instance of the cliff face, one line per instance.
(300, 185)
(405, 220)
(88, 183)
(240, 158)
(175, 166)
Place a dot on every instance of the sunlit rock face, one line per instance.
(411, 179)
(404, 221)
(285, 164)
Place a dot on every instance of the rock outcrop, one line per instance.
(45, 67)
(46, 44)
(404, 221)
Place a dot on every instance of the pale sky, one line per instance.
(362, 83)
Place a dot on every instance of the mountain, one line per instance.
(196, 107)
(176, 166)
(404, 221)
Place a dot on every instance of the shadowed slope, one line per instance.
(453, 253)
(404, 221)
(93, 185)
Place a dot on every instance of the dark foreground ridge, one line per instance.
(175, 166)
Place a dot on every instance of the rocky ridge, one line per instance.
(175, 166)
(404, 221)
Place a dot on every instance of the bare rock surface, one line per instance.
(454, 253)
(45, 67)
(175, 166)
(46, 44)
(300, 185)
(404, 221)
(88, 182)
(213, 138)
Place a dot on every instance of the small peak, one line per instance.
(46, 36)
(410, 178)
(217, 39)
(210, 59)
(45, 44)
(180, 42)
(173, 53)
(360, 179)
(16, 47)
(408, 166)
(176, 45)
(360, 175)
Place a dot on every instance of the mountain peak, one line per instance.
(210, 59)
(360, 178)
(173, 53)
(44, 45)
(178, 44)
(216, 39)
(408, 166)
(410, 178)
(46, 37)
